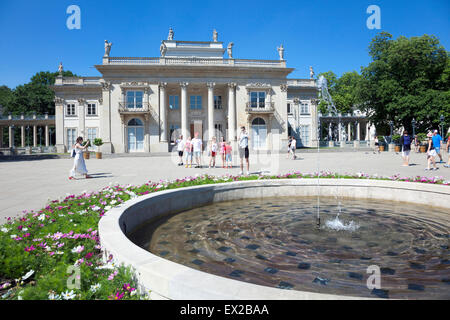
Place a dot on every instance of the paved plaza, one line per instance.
(28, 185)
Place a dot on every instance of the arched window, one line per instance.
(135, 123)
(258, 121)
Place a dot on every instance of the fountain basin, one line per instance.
(170, 280)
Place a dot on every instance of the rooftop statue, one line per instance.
(311, 72)
(60, 68)
(230, 50)
(163, 49)
(215, 35)
(107, 48)
(281, 52)
(171, 33)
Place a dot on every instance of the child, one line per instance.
(212, 152)
(222, 151)
(188, 149)
(228, 151)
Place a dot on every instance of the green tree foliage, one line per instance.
(408, 78)
(343, 90)
(32, 97)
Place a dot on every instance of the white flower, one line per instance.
(133, 292)
(25, 229)
(96, 208)
(54, 296)
(82, 212)
(4, 230)
(41, 217)
(113, 202)
(29, 274)
(13, 236)
(68, 295)
(59, 252)
(95, 287)
(78, 249)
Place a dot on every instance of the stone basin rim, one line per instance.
(169, 280)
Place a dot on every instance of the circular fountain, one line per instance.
(256, 239)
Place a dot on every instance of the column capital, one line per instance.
(162, 85)
(106, 86)
(184, 84)
(232, 85)
(81, 101)
(283, 87)
(211, 85)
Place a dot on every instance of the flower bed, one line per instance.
(40, 250)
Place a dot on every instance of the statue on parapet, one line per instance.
(171, 34)
(230, 50)
(215, 36)
(281, 52)
(163, 49)
(311, 73)
(107, 48)
(60, 69)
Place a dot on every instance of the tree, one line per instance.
(32, 97)
(408, 78)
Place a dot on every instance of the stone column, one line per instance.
(314, 125)
(349, 134)
(358, 131)
(162, 111)
(211, 130)
(11, 136)
(22, 136)
(82, 118)
(184, 120)
(367, 132)
(105, 118)
(231, 112)
(59, 125)
(34, 136)
(46, 136)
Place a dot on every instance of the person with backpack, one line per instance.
(405, 142)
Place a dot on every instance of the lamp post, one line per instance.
(442, 118)
(413, 122)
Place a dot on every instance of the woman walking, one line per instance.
(431, 152)
(212, 152)
(222, 151)
(79, 166)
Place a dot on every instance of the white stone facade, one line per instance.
(144, 104)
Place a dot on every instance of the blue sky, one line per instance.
(327, 34)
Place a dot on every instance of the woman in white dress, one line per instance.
(79, 166)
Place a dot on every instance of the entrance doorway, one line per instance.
(135, 135)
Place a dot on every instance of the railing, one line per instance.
(79, 81)
(38, 117)
(267, 107)
(301, 82)
(123, 108)
(193, 61)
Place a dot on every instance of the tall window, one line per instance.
(134, 99)
(92, 133)
(174, 102)
(304, 108)
(71, 137)
(91, 109)
(289, 110)
(217, 102)
(304, 135)
(258, 99)
(196, 102)
(70, 110)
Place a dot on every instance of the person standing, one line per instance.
(197, 146)
(243, 149)
(405, 142)
(431, 152)
(188, 152)
(228, 152)
(289, 147)
(293, 146)
(448, 152)
(79, 166)
(416, 144)
(212, 152)
(180, 148)
(377, 145)
(437, 144)
(222, 151)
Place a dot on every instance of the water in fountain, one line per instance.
(335, 224)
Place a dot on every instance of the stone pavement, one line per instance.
(31, 184)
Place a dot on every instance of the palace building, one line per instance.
(143, 104)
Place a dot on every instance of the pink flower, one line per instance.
(112, 275)
(30, 248)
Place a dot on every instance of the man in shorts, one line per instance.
(437, 143)
(405, 142)
(197, 147)
(243, 149)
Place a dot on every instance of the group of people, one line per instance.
(191, 150)
(433, 148)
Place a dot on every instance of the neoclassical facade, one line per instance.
(144, 104)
